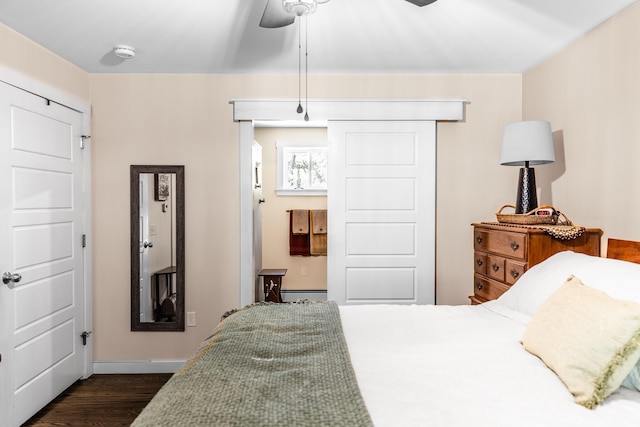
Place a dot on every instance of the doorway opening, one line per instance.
(306, 276)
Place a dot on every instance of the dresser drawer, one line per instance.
(495, 267)
(505, 243)
(513, 270)
(487, 289)
(480, 263)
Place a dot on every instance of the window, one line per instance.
(302, 168)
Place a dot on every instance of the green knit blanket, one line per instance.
(267, 365)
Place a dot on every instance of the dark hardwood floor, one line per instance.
(101, 400)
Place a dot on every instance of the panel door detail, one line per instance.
(382, 187)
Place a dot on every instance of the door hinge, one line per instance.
(83, 137)
(84, 336)
(84, 240)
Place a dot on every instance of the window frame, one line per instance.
(281, 147)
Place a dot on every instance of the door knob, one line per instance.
(8, 277)
(147, 244)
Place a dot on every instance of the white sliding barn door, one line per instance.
(41, 226)
(381, 200)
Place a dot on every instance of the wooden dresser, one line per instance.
(503, 253)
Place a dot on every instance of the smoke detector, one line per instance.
(124, 51)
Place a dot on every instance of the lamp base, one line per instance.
(527, 197)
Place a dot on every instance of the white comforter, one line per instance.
(463, 366)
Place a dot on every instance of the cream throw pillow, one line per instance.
(590, 340)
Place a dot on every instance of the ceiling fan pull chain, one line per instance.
(306, 68)
(299, 110)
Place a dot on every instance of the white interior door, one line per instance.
(41, 228)
(381, 197)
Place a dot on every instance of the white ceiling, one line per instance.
(223, 36)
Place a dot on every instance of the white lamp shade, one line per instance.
(528, 141)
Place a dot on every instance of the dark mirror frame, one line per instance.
(178, 324)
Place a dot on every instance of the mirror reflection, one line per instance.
(157, 248)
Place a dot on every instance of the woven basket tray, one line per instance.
(529, 218)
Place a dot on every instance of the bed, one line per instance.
(317, 364)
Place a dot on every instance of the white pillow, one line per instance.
(619, 279)
(590, 340)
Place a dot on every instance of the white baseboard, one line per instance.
(137, 366)
(289, 295)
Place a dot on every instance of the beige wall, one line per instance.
(23, 55)
(158, 119)
(589, 93)
(275, 220)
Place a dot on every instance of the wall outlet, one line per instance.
(191, 318)
(303, 271)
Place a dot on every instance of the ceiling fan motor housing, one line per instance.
(300, 7)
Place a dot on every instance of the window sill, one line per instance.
(282, 192)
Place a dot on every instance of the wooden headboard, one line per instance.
(625, 250)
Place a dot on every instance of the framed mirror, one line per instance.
(157, 248)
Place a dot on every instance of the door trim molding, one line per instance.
(359, 109)
(248, 111)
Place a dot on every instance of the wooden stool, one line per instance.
(272, 283)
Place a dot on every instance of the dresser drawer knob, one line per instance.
(514, 273)
(479, 286)
(479, 262)
(515, 246)
(478, 239)
(495, 267)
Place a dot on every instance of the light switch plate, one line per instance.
(191, 318)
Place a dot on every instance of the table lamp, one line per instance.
(527, 144)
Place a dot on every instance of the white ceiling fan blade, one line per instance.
(421, 2)
(274, 15)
